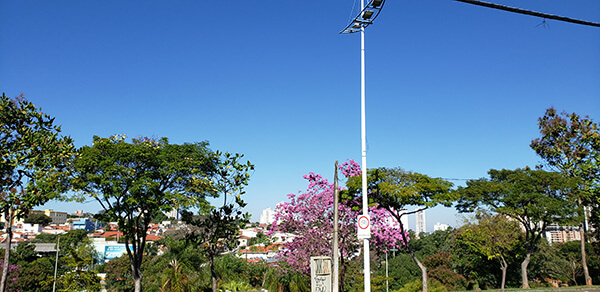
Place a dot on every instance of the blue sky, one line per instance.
(453, 89)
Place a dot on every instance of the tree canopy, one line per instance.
(34, 157)
(571, 145)
(395, 189)
(133, 180)
(534, 198)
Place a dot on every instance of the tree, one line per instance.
(571, 145)
(38, 218)
(534, 198)
(216, 230)
(494, 237)
(33, 159)
(132, 181)
(394, 189)
(309, 216)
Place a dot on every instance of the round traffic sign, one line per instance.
(363, 222)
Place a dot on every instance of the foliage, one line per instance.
(401, 270)
(571, 145)
(79, 280)
(236, 285)
(132, 181)
(286, 280)
(439, 269)
(34, 158)
(215, 231)
(174, 280)
(37, 275)
(37, 218)
(14, 272)
(494, 237)
(534, 198)
(308, 216)
(118, 275)
(394, 189)
(417, 286)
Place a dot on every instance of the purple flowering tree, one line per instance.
(309, 216)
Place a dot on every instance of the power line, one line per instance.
(529, 12)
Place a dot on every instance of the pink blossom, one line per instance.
(309, 215)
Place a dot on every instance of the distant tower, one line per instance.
(421, 225)
(267, 216)
(173, 214)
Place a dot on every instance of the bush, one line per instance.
(417, 286)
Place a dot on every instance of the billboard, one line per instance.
(113, 251)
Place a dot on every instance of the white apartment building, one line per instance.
(421, 225)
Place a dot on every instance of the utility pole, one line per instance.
(56, 264)
(336, 226)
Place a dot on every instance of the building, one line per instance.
(440, 226)
(559, 234)
(267, 217)
(173, 214)
(57, 217)
(85, 224)
(421, 226)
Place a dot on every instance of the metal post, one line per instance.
(335, 253)
(387, 284)
(363, 128)
(56, 264)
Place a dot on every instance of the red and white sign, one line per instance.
(364, 227)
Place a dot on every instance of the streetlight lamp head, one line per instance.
(376, 3)
(367, 14)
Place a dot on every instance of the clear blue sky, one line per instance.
(453, 89)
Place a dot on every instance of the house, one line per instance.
(260, 253)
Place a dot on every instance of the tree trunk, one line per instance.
(136, 274)
(524, 265)
(423, 271)
(6, 262)
(586, 272)
(503, 267)
(213, 274)
(138, 284)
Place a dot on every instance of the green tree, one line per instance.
(132, 181)
(394, 189)
(118, 275)
(33, 159)
(37, 275)
(494, 237)
(534, 198)
(571, 145)
(215, 231)
(37, 218)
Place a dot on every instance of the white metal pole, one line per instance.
(56, 264)
(363, 128)
(387, 283)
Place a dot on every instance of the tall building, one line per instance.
(173, 214)
(421, 224)
(267, 217)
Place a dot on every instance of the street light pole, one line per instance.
(360, 22)
(363, 131)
